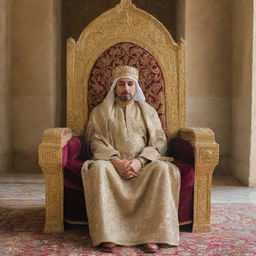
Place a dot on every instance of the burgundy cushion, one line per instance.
(72, 175)
(64, 155)
(182, 150)
(74, 205)
(186, 191)
(72, 164)
(71, 151)
(73, 182)
(73, 185)
(74, 148)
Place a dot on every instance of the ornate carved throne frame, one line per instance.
(125, 23)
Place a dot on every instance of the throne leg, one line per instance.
(206, 155)
(202, 201)
(50, 160)
(54, 221)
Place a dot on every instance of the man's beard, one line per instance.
(125, 97)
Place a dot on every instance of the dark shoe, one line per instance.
(150, 248)
(108, 247)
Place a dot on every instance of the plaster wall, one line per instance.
(208, 71)
(34, 77)
(5, 121)
(252, 176)
(180, 19)
(242, 37)
(37, 84)
(37, 96)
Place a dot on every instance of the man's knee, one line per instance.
(158, 166)
(100, 166)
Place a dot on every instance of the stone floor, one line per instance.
(30, 186)
(22, 186)
(229, 190)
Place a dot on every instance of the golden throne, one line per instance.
(128, 26)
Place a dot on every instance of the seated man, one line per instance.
(131, 190)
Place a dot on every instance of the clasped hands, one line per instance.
(127, 169)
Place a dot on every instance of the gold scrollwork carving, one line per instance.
(50, 160)
(50, 154)
(207, 154)
(113, 27)
(197, 135)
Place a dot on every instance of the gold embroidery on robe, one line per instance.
(136, 211)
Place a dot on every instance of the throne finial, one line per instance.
(126, 2)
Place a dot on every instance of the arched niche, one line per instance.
(124, 23)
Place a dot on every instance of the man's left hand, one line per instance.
(135, 164)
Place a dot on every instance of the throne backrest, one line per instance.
(115, 38)
(150, 78)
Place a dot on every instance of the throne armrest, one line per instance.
(206, 155)
(51, 162)
(206, 150)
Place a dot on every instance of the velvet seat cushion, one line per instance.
(74, 202)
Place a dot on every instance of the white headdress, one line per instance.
(124, 72)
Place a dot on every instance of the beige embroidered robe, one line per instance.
(136, 211)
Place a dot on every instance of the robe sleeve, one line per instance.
(98, 146)
(157, 143)
(101, 150)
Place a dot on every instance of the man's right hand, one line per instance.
(124, 169)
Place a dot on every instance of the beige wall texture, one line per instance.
(5, 115)
(242, 137)
(208, 71)
(252, 177)
(218, 41)
(34, 76)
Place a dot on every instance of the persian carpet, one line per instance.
(21, 234)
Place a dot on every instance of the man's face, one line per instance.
(125, 89)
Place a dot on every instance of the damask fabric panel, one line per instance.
(151, 77)
(136, 211)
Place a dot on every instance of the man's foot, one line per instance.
(108, 247)
(150, 248)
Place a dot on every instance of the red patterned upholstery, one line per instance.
(151, 78)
